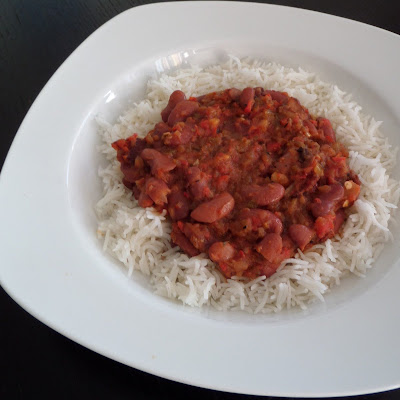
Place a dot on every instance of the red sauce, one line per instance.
(247, 177)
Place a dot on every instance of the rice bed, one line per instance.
(140, 238)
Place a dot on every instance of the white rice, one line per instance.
(140, 238)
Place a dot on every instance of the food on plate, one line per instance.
(137, 232)
(246, 176)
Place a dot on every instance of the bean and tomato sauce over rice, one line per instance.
(281, 185)
(247, 177)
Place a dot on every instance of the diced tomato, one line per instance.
(324, 225)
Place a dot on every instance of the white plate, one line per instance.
(52, 264)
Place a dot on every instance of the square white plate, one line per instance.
(52, 263)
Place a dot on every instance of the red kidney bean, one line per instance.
(327, 199)
(270, 247)
(181, 111)
(219, 207)
(264, 195)
(198, 234)
(321, 207)
(234, 94)
(158, 162)
(280, 97)
(326, 127)
(266, 268)
(221, 251)
(301, 235)
(175, 98)
(144, 200)
(130, 186)
(131, 173)
(178, 205)
(334, 193)
(183, 242)
(246, 97)
(157, 190)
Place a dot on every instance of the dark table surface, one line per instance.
(36, 36)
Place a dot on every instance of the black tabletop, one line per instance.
(35, 38)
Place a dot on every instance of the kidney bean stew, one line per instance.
(246, 176)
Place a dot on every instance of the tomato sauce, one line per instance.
(246, 176)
